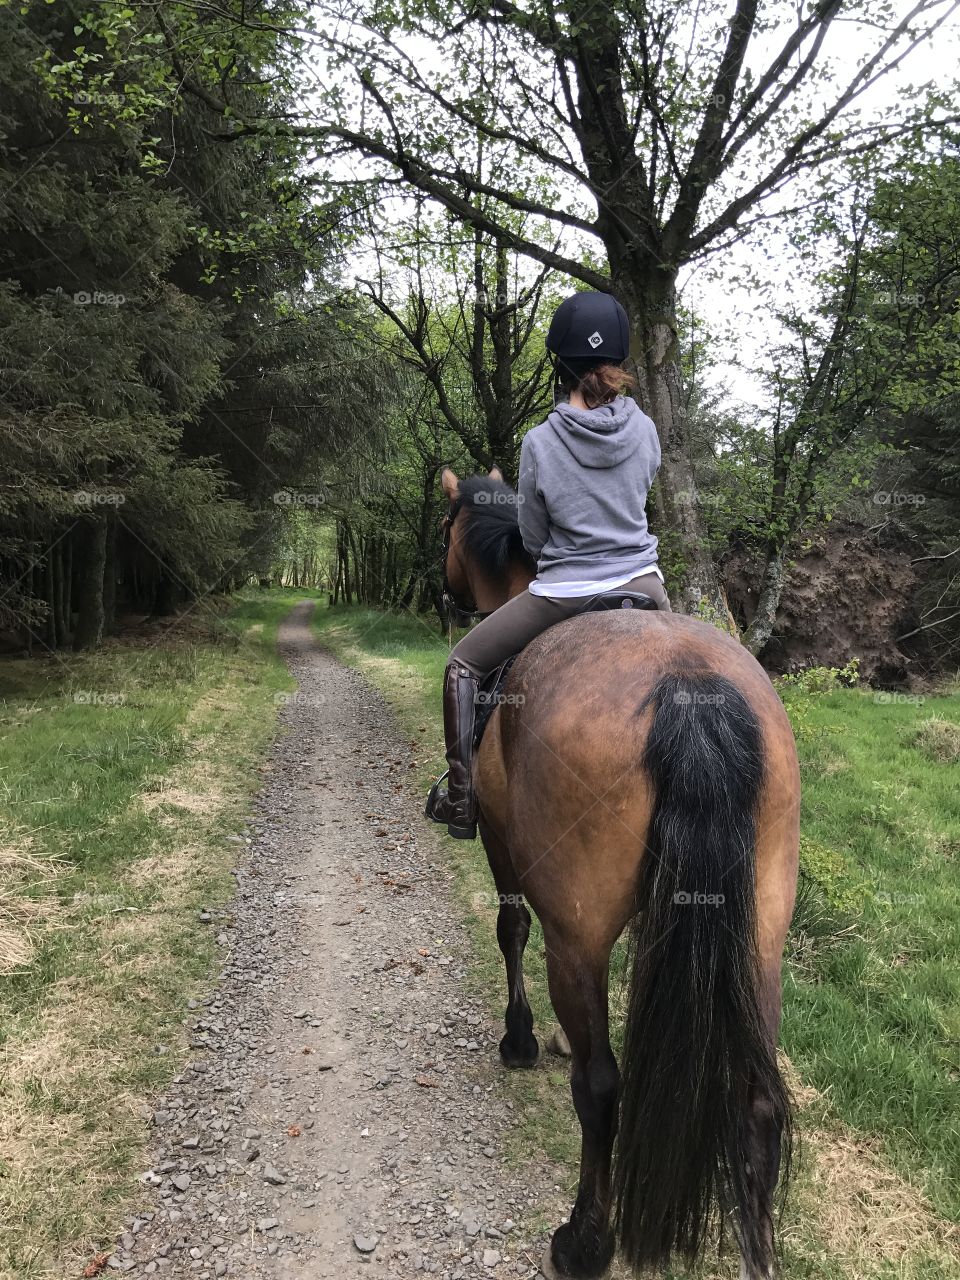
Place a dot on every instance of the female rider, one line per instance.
(584, 478)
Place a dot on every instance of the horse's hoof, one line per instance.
(570, 1256)
(548, 1270)
(518, 1059)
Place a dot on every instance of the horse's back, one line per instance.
(633, 649)
(583, 684)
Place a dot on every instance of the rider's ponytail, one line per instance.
(604, 383)
(597, 383)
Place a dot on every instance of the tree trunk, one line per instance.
(771, 590)
(425, 579)
(68, 584)
(90, 614)
(50, 595)
(347, 582)
(357, 566)
(110, 576)
(650, 300)
(499, 406)
(338, 569)
(166, 597)
(391, 571)
(60, 594)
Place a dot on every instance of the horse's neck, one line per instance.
(518, 581)
(490, 594)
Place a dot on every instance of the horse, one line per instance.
(639, 771)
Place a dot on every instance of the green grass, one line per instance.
(122, 772)
(880, 1027)
(872, 1014)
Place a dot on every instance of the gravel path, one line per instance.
(345, 1111)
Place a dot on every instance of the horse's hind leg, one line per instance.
(584, 1246)
(519, 1047)
(763, 1147)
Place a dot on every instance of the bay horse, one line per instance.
(640, 770)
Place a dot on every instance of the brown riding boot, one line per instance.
(457, 805)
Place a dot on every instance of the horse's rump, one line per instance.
(570, 737)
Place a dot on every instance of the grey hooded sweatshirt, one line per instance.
(584, 479)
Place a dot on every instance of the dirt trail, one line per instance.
(344, 1112)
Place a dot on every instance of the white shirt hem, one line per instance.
(574, 589)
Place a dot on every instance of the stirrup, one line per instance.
(458, 832)
(432, 794)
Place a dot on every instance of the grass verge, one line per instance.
(125, 773)
(872, 996)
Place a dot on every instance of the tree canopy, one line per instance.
(173, 336)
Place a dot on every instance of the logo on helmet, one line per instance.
(594, 339)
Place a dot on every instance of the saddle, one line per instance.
(490, 692)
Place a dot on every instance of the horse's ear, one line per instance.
(496, 473)
(449, 483)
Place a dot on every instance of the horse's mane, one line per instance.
(491, 530)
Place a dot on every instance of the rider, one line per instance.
(584, 477)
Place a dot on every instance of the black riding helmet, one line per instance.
(590, 326)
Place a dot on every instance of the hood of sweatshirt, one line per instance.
(600, 437)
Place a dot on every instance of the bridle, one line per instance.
(462, 616)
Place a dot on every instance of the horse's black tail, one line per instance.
(696, 1050)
